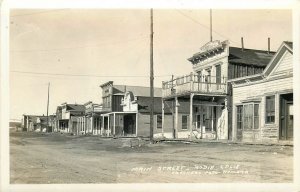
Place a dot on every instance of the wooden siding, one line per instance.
(239, 70)
(143, 125)
(260, 91)
(116, 103)
(286, 64)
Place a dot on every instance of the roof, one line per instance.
(289, 44)
(286, 45)
(138, 91)
(107, 83)
(144, 103)
(249, 56)
(75, 107)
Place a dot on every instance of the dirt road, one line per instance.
(56, 158)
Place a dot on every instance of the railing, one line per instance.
(195, 83)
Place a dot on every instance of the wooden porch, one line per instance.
(192, 83)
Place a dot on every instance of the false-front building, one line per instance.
(126, 111)
(206, 90)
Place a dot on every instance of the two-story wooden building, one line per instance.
(127, 110)
(263, 103)
(207, 91)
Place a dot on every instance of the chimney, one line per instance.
(269, 45)
(242, 41)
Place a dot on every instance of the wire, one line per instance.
(194, 20)
(79, 47)
(37, 12)
(83, 75)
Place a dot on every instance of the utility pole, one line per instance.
(151, 76)
(48, 109)
(210, 16)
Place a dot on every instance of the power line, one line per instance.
(80, 47)
(194, 20)
(37, 12)
(84, 75)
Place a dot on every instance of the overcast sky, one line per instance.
(77, 50)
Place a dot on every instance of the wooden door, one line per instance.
(286, 117)
(289, 122)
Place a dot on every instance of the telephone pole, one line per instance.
(210, 18)
(48, 108)
(151, 76)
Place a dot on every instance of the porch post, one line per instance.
(85, 124)
(176, 117)
(78, 125)
(102, 128)
(191, 115)
(136, 124)
(81, 124)
(108, 125)
(92, 124)
(114, 123)
(163, 116)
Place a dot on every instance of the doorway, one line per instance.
(286, 117)
(129, 125)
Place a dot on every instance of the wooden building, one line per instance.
(207, 91)
(93, 118)
(263, 103)
(127, 110)
(34, 122)
(68, 118)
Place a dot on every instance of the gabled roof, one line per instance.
(285, 46)
(249, 56)
(138, 91)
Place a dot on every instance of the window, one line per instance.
(239, 118)
(256, 116)
(218, 74)
(248, 116)
(270, 109)
(184, 121)
(158, 121)
(208, 76)
(199, 76)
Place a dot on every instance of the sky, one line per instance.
(76, 50)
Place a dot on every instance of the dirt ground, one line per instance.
(37, 158)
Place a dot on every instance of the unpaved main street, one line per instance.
(57, 158)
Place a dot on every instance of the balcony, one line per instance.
(198, 84)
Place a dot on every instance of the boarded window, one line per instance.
(184, 121)
(158, 121)
(270, 109)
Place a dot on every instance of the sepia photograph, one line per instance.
(149, 95)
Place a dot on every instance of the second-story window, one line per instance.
(208, 76)
(218, 74)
